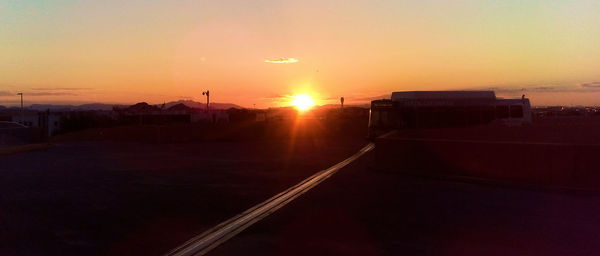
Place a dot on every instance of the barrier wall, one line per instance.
(540, 163)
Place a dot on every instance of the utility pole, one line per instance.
(22, 114)
(207, 93)
(342, 101)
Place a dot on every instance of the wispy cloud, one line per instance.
(590, 85)
(6, 93)
(545, 88)
(50, 94)
(506, 89)
(276, 96)
(371, 98)
(60, 88)
(185, 97)
(279, 99)
(283, 60)
(45, 92)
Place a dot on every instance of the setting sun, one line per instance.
(303, 102)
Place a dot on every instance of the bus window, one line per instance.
(502, 111)
(380, 118)
(516, 111)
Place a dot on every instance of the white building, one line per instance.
(50, 122)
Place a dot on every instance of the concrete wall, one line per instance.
(540, 163)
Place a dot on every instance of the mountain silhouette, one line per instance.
(195, 104)
(104, 106)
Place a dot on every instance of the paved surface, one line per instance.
(362, 212)
(210, 239)
(144, 199)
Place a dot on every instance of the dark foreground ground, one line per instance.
(136, 198)
(133, 198)
(362, 212)
(372, 209)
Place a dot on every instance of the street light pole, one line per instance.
(22, 115)
(207, 93)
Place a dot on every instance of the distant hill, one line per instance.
(195, 104)
(103, 106)
(91, 106)
(97, 106)
(179, 107)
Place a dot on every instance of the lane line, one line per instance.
(210, 239)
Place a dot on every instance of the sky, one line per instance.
(261, 52)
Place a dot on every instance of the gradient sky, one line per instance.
(129, 51)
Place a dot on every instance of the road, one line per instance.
(112, 198)
(210, 239)
(363, 212)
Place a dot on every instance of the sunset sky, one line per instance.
(260, 52)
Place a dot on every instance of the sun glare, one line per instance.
(303, 102)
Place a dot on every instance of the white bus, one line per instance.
(435, 109)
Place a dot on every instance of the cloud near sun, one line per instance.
(282, 60)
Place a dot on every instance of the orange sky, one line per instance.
(154, 51)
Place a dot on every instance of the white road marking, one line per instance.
(210, 239)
